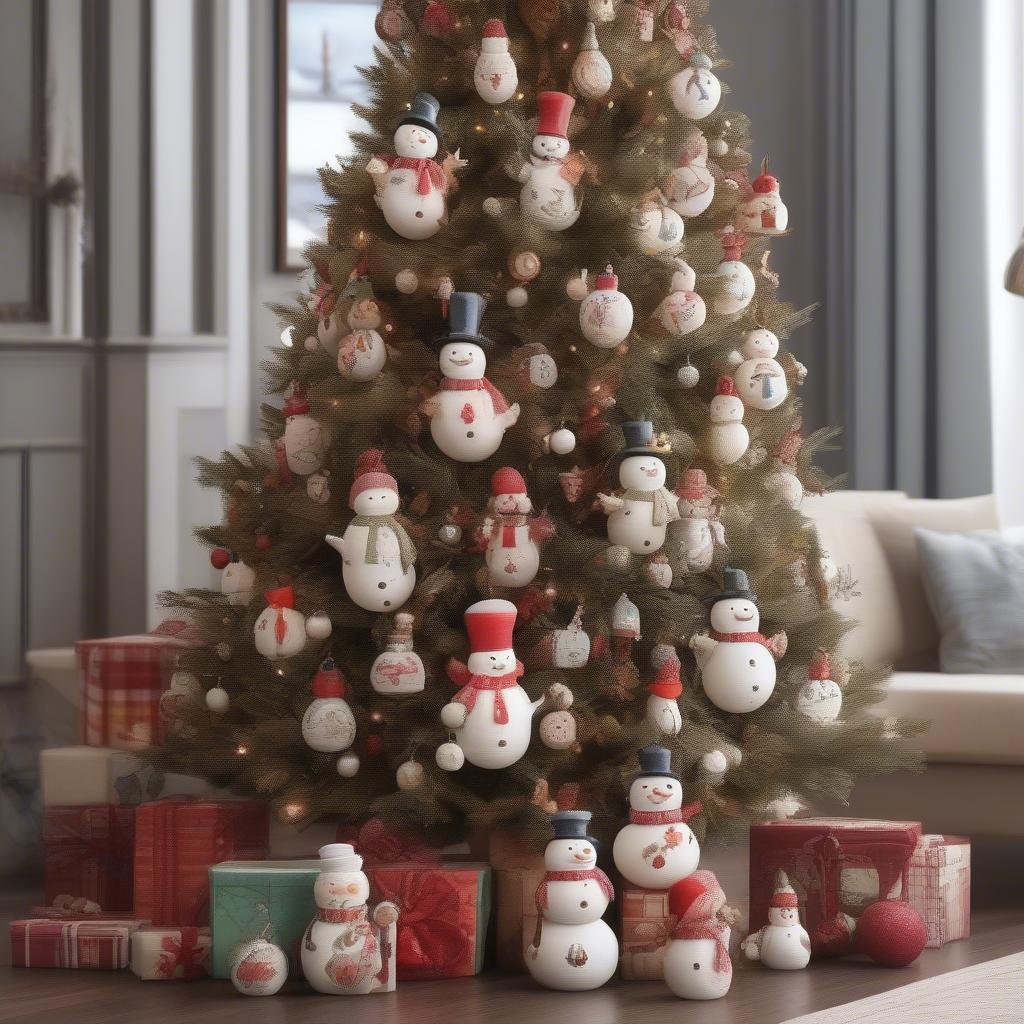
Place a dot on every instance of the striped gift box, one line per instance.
(78, 945)
(646, 925)
(939, 887)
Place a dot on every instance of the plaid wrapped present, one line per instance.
(122, 679)
(87, 853)
(515, 910)
(95, 945)
(939, 887)
(177, 841)
(170, 954)
(646, 928)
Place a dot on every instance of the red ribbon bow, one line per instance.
(379, 843)
(184, 952)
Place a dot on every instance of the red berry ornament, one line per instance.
(891, 932)
(220, 557)
(374, 745)
(262, 541)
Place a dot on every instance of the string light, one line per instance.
(241, 750)
(520, 95)
(280, 672)
(565, 45)
(611, 103)
(480, 128)
(287, 337)
(293, 810)
(376, 716)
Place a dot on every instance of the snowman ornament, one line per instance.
(362, 353)
(782, 944)
(737, 663)
(783, 481)
(682, 311)
(700, 530)
(663, 693)
(468, 414)
(820, 699)
(328, 725)
(572, 950)
(657, 228)
(639, 513)
(411, 186)
(398, 668)
(495, 75)
(695, 91)
(510, 534)
(690, 188)
(697, 964)
(727, 439)
(281, 630)
(237, 579)
(657, 848)
(378, 556)
(606, 314)
(735, 279)
(762, 211)
(760, 380)
(345, 950)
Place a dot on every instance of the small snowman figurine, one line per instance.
(305, 440)
(682, 311)
(362, 353)
(782, 480)
(700, 530)
(690, 188)
(411, 186)
(820, 699)
(468, 415)
(727, 439)
(398, 668)
(281, 630)
(697, 964)
(328, 724)
(236, 578)
(639, 513)
(606, 314)
(737, 663)
(736, 279)
(657, 228)
(695, 91)
(782, 944)
(495, 75)
(344, 952)
(657, 848)
(663, 693)
(760, 380)
(511, 535)
(572, 950)
(378, 556)
(762, 211)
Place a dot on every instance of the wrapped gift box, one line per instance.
(96, 945)
(939, 886)
(836, 865)
(646, 928)
(88, 853)
(177, 841)
(170, 954)
(122, 679)
(515, 911)
(272, 898)
(444, 910)
(379, 843)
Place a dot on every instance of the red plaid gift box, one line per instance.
(646, 927)
(177, 841)
(443, 914)
(96, 945)
(515, 912)
(170, 954)
(87, 854)
(939, 887)
(122, 679)
(836, 865)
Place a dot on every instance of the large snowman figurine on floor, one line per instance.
(697, 964)
(657, 848)
(468, 415)
(378, 556)
(737, 662)
(782, 943)
(572, 948)
(639, 514)
(548, 196)
(491, 715)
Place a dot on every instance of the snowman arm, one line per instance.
(717, 531)
(430, 406)
(510, 417)
(751, 946)
(778, 644)
(457, 672)
(703, 647)
(610, 502)
(339, 544)
(524, 173)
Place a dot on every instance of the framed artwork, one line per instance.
(319, 45)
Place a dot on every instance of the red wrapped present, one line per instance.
(87, 854)
(177, 841)
(939, 887)
(122, 679)
(646, 928)
(170, 954)
(515, 911)
(443, 915)
(836, 865)
(96, 945)
(379, 843)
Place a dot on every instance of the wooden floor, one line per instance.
(758, 996)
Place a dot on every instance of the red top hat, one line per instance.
(489, 625)
(296, 403)
(507, 481)
(784, 895)
(607, 279)
(494, 28)
(765, 183)
(555, 109)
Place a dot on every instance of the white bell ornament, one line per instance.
(736, 284)
(281, 631)
(727, 439)
(760, 379)
(763, 212)
(696, 91)
(682, 311)
(697, 964)
(258, 968)
(606, 314)
(690, 188)
(657, 228)
(591, 72)
(328, 724)
(495, 75)
(820, 699)
(362, 353)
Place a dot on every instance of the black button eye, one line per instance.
(696, 967)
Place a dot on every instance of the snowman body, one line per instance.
(739, 675)
(236, 582)
(664, 714)
(657, 228)
(690, 188)
(634, 524)
(305, 444)
(414, 213)
(361, 353)
(727, 437)
(783, 943)
(760, 380)
(820, 700)
(682, 311)
(697, 543)
(737, 287)
(547, 197)
(495, 75)
(689, 967)
(695, 91)
(606, 314)
(763, 213)
(656, 856)
(513, 557)
(276, 642)
(329, 725)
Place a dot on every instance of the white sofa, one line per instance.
(975, 744)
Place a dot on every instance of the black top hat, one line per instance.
(656, 761)
(735, 584)
(465, 311)
(423, 112)
(572, 825)
(639, 436)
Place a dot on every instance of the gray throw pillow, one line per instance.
(975, 586)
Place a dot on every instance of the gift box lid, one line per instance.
(815, 825)
(263, 867)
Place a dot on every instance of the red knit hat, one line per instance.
(555, 110)
(296, 403)
(694, 485)
(666, 682)
(726, 386)
(507, 481)
(784, 895)
(489, 625)
(821, 666)
(328, 681)
(607, 279)
(494, 28)
(732, 243)
(371, 473)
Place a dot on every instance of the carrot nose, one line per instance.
(352, 888)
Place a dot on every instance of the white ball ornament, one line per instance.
(288, 336)
(714, 762)
(318, 626)
(495, 75)
(449, 533)
(407, 281)
(591, 73)
(409, 775)
(820, 699)
(449, 757)
(576, 287)
(217, 700)
(542, 370)
(311, 343)
(280, 630)
(735, 279)
(562, 441)
(258, 968)
(557, 730)
(696, 91)
(328, 725)
(688, 375)
(347, 765)
(657, 228)
(606, 314)
(517, 297)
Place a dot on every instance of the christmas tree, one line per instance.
(537, 367)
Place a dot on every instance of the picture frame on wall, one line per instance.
(319, 45)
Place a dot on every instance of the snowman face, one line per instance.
(570, 855)
(735, 615)
(550, 147)
(462, 360)
(237, 578)
(414, 141)
(726, 409)
(656, 793)
(376, 501)
(642, 473)
(492, 663)
(512, 504)
(341, 890)
(760, 344)
(784, 917)
(364, 315)
(739, 285)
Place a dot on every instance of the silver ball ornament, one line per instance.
(517, 297)
(688, 375)
(449, 533)
(406, 281)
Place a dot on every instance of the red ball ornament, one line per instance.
(374, 745)
(262, 541)
(220, 557)
(891, 933)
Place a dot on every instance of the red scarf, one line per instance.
(705, 929)
(681, 814)
(582, 875)
(504, 529)
(429, 172)
(741, 638)
(344, 915)
(477, 384)
(472, 684)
